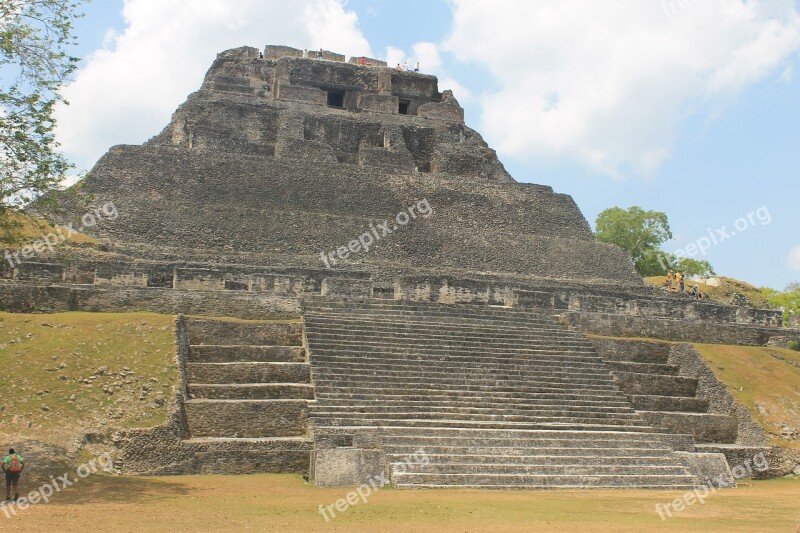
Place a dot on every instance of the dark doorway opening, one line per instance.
(335, 98)
(403, 107)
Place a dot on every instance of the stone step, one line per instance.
(530, 334)
(448, 396)
(325, 409)
(669, 403)
(233, 331)
(639, 352)
(549, 481)
(329, 378)
(440, 323)
(249, 455)
(704, 427)
(535, 458)
(567, 419)
(382, 307)
(521, 433)
(210, 353)
(484, 424)
(407, 359)
(543, 469)
(569, 450)
(487, 402)
(522, 355)
(656, 385)
(325, 389)
(345, 335)
(644, 368)
(246, 418)
(464, 371)
(251, 391)
(530, 444)
(221, 373)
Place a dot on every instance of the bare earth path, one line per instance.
(286, 503)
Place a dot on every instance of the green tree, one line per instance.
(35, 36)
(788, 299)
(640, 233)
(693, 267)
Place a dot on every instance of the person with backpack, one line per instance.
(13, 465)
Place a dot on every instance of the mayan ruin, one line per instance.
(318, 269)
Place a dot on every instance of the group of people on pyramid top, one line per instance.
(677, 281)
(404, 66)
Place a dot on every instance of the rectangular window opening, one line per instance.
(403, 107)
(336, 98)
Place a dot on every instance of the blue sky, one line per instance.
(719, 150)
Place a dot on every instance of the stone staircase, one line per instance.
(495, 397)
(249, 388)
(665, 399)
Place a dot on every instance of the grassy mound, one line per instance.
(66, 375)
(730, 291)
(766, 381)
(27, 229)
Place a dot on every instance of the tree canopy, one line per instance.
(640, 233)
(35, 37)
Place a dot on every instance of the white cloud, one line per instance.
(794, 258)
(430, 62)
(128, 90)
(608, 83)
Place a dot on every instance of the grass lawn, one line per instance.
(765, 380)
(285, 503)
(70, 373)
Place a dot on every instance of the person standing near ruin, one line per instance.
(319, 54)
(670, 280)
(13, 465)
(681, 282)
(416, 67)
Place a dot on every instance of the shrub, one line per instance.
(794, 345)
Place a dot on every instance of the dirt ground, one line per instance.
(286, 503)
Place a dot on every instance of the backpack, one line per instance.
(15, 466)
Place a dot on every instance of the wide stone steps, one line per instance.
(541, 459)
(427, 333)
(252, 391)
(539, 375)
(547, 469)
(433, 410)
(248, 373)
(249, 387)
(450, 396)
(589, 425)
(500, 397)
(490, 383)
(520, 357)
(669, 403)
(405, 360)
(563, 407)
(246, 418)
(461, 342)
(644, 368)
(249, 455)
(324, 388)
(210, 353)
(543, 482)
